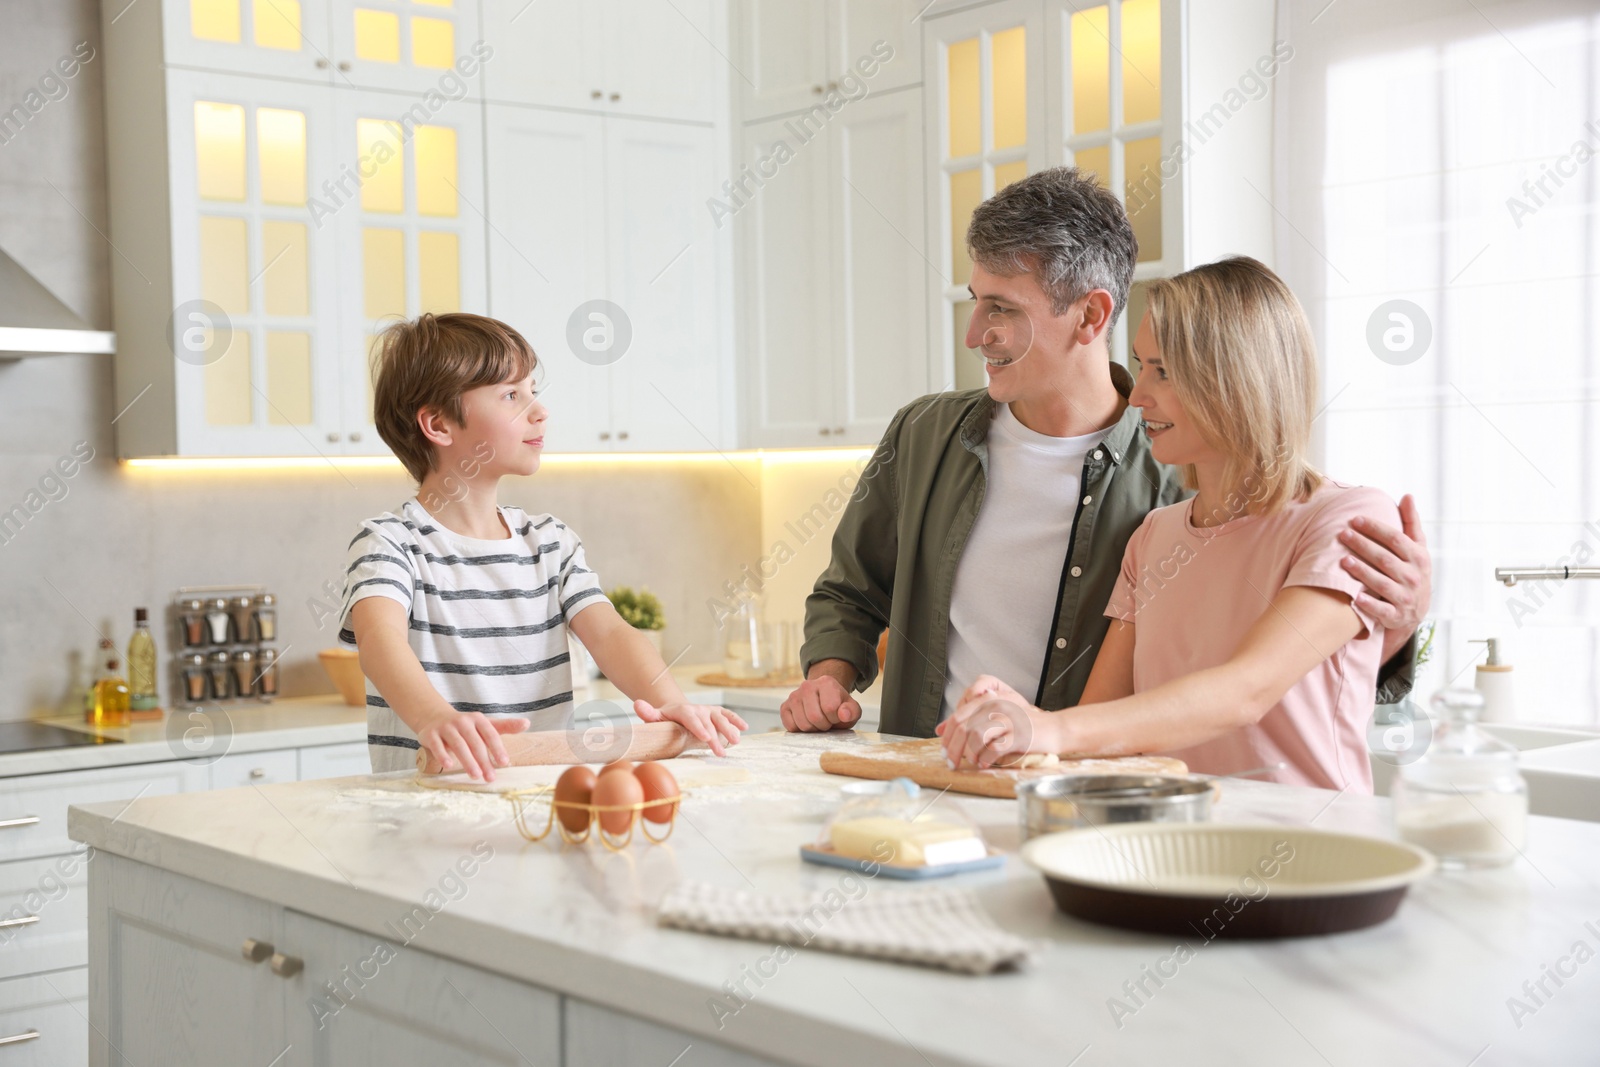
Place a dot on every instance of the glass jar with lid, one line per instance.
(1464, 800)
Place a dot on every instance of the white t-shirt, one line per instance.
(1004, 597)
(488, 618)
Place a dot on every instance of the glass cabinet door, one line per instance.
(405, 194)
(282, 38)
(254, 329)
(408, 45)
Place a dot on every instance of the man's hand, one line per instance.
(711, 724)
(469, 739)
(1395, 568)
(820, 703)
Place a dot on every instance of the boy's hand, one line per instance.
(710, 724)
(470, 740)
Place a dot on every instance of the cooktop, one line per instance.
(32, 736)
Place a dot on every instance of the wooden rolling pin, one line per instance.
(646, 741)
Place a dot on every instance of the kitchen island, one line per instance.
(369, 920)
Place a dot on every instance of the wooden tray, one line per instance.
(728, 681)
(923, 762)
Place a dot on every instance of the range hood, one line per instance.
(33, 322)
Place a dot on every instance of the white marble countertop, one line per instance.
(1429, 986)
(292, 722)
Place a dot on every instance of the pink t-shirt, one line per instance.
(1193, 592)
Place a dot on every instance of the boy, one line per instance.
(460, 607)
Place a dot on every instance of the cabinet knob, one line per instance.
(344, 64)
(333, 437)
(833, 85)
(256, 951)
(258, 772)
(615, 97)
(623, 436)
(596, 94)
(322, 64)
(286, 966)
(838, 429)
(355, 435)
(823, 430)
(817, 89)
(605, 435)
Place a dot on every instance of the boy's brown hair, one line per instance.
(428, 362)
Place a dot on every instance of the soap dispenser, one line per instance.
(1494, 682)
(1464, 800)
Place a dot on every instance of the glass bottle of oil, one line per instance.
(142, 664)
(111, 691)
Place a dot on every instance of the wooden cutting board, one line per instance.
(923, 762)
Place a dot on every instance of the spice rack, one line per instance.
(224, 642)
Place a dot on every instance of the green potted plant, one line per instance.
(641, 610)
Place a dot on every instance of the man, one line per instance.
(990, 528)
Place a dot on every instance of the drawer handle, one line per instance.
(17, 1039)
(286, 966)
(13, 824)
(258, 772)
(12, 924)
(256, 951)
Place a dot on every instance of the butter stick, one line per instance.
(907, 844)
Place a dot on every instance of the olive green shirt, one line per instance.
(902, 533)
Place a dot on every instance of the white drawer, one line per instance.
(33, 808)
(334, 761)
(254, 768)
(54, 1006)
(44, 906)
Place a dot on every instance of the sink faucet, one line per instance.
(1513, 575)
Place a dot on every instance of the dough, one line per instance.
(1028, 761)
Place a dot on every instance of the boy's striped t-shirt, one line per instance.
(488, 617)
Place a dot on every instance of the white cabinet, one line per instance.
(254, 768)
(650, 58)
(364, 1001)
(187, 973)
(281, 38)
(834, 273)
(267, 226)
(334, 761)
(42, 1019)
(604, 255)
(33, 808)
(795, 53)
(404, 45)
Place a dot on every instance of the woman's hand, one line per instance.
(992, 722)
(469, 739)
(709, 723)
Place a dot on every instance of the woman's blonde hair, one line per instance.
(1237, 348)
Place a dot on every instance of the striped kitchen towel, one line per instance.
(933, 927)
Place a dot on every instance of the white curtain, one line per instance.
(1447, 154)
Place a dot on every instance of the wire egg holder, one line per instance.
(526, 802)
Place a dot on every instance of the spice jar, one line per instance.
(244, 616)
(244, 672)
(192, 618)
(1464, 800)
(217, 628)
(266, 617)
(219, 667)
(194, 677)
(267, 673)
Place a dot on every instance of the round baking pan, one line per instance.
(1072, 801)
(1209, 880)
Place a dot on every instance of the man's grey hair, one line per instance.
(1063, 226)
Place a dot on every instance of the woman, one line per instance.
(1236, 640)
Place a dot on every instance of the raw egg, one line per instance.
(575, 786)
(657, 783)
(619, 765)
(612, 790)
